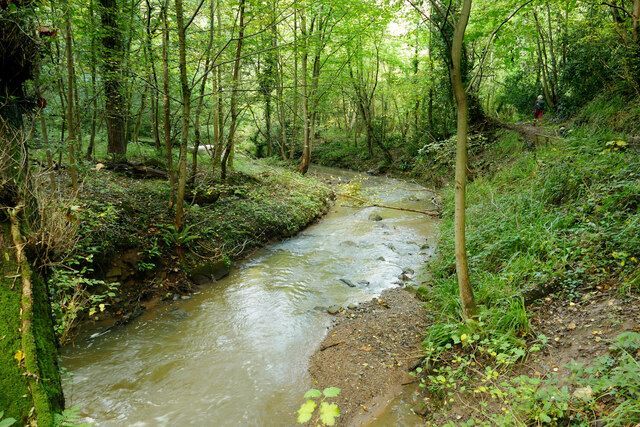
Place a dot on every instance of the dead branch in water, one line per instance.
(377, 205)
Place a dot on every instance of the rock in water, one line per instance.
(375, 217)
(209, 271)
(334, 309)
(348, 282)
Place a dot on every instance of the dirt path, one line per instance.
(368, 353)
(528, 131)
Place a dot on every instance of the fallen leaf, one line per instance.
(571, 326)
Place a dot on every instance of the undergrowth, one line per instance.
(115, 214)
(565, 220)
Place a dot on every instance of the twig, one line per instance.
(330, 345)
(377, 205)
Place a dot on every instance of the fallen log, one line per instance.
(137, 171)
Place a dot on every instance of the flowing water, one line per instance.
(237, 352)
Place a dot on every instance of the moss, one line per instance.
(14, 385)
(40, 349)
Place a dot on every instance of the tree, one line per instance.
(30, 380)
(452, 31)
(112, 53)
(186, 112)
(234, 94)
(455, 71)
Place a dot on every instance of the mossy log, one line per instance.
(29, 374)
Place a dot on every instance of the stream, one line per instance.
(236, 353)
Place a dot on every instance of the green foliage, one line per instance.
(75, 293)
(327, 412)
(69, 418)
(564, 219)
(175, 237)
(6, 422)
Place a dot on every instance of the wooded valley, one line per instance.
(149, 144)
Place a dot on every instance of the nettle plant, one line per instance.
(325, 414)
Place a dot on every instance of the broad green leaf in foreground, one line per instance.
(305, 411)
(331, 391)
(312, 393)
(328, 413)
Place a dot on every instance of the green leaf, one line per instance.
(331, 392)
(305, 411)
(328, 413)
(313, 393)
(6, 422)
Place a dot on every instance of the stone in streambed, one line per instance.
(334, 309)
(179, 313)
(375, 217)
(364, 283)
(208, 272)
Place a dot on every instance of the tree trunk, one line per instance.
(303, 166)
(234, 97)
(186, 111)
(279, 73)
(167, 108)
(70, 113)
(218, 131)
(155, 101)
(115, 108)
(294, 122)
(30, 387)
(94, 92)
(464, 283)
(635, 20)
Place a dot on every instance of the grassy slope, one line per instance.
(566, 219)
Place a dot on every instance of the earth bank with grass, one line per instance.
(128, 255)
(553, 245)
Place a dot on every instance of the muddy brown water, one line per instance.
(237, 352)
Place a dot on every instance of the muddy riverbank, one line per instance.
(369, 352)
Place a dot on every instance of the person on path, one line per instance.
(538, 109)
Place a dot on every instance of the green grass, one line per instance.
(566, 219)
(116, 214)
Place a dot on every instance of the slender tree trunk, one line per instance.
(303, 166)
(294, 122)
(94, 92)
(279, 73)
(203, 85)
(167, 107)
(548, 84)
(70, 98)
(218, 118)
(234, 97)
(635, 19)
(464, 283)
(136, 129)
(186, 111)
(155, 101)
(115, 107)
